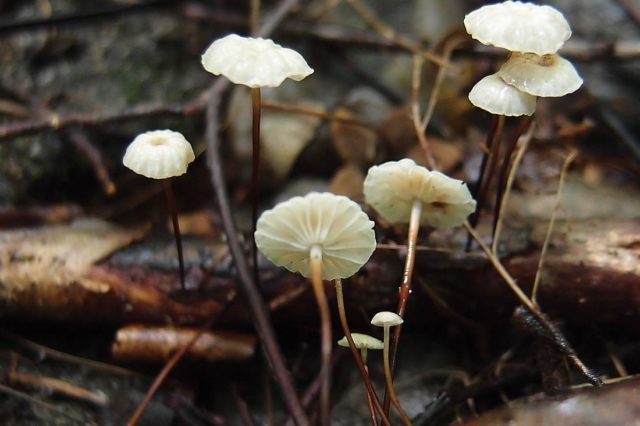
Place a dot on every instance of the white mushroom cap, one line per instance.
(392, 187)
(159, 154)
(254, 62)
(286, 233)
(547, 75)
(519, 27)
(494, 95)
(386, 319)
(362, 341)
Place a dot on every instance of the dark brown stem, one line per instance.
(315, 255)
(255, 301)
(487, 169)
(524, 124)
(371, 393)
(171, 202)
(405, 288)
(255, 175)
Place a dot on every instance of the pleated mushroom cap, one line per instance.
(362, 341)
(386, 319)
(494, 95)
(519, 27)
(392, 187)
(286, 233)
(159, 154)
(254, 62)
(546, 76)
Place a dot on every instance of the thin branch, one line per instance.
(375, 22)
(545, 245)
(255, 301)
(507, 192)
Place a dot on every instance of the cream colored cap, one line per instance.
(392, 187)
(254, 62)
(286, 233)
(494, 95)
(362, 341)
(519, 27)
(159, 154)
(547, 75)
(386, 319)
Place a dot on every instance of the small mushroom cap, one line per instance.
(519, 27)
(254, 62)
(286, 233)
(391, 188)
(494, 95)
(547, 75)
(159, 154)
(386, 319)
(362, 341)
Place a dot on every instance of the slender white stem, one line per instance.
(389, 379)
(315, 256)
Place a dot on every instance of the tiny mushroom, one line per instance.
(256, 63)
(364, 342)
(162, 154)
(323, 236)
(386, 320)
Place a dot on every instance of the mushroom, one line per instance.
(404, 192)
(162, 154)
(494, 95)
(256, 63)
(387, 320)
(519, 27)
(533, 34)
(322, 236)
(548, 75)
(363, 342)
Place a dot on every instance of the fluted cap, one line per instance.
(492, 94)
(392, 187)
(546, 76)
(286, 233)
(519, 27)
(254, 62)
(159, 154)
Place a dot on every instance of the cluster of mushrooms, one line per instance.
(532, 34)
(328, 237)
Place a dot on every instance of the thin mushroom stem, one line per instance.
(325, 325)
(407, 277)
(171, 202)
(389, 380)
(255, 171)
(360, 360)
(405, 288)
(524, 124)
(487, 167)
(372, 409)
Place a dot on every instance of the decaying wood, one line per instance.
(614, 404)
(157, 344)
(592, 266)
